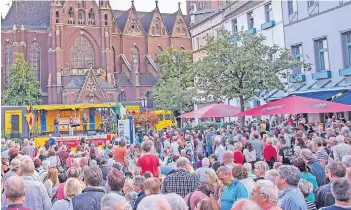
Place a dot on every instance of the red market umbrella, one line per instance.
(213, 110)
(296, 105)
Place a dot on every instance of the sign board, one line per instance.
(126, 129)
(135, 108)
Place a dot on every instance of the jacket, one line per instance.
(232, 193)
(324, 196)
(291, 198)
(36, 195)
(89, 199)
(141, 195)
(63, 204)
(16, 207)
(317, 171)
(340, 150)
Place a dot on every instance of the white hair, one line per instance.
(340, 138)
(271, 175)
(269, 189)
(45, 164)
(153, 202)
(347, 160)
(176, 201)
(218, 138)
(205, 162)
(246, 204)
(248, 167)
(112, 201)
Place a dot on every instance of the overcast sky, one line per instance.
(166, 6)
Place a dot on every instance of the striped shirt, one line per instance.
(311, 205)
(322, 154)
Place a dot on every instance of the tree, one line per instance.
(22, 89)
(239, 66)
(175, 87)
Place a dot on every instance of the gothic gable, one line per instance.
(157, 26)
(133, 25)
(91, 91)
(180, 29)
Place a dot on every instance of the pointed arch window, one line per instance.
(8, 61)
(82, 53)
(135, 58)
(91, 17)
(153, 32)
(81, 17)
(114, 59)
(158, 26)
(150, 101)
(122, 96)
(106, 19)
(57, 17)
(71, 18)
(34, 59)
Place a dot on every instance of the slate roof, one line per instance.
(122, 80)
(146, 20)
(32, 14)
(146, 78)
(78, 81)
(169, 20)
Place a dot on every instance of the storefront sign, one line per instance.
(135, 109)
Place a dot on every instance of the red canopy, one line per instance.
(296, 105)
(213, 110)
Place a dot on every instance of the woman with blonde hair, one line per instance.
(152, 186)
(51, 182)
(212, 179)
(129, 193)
(261, 167)
(72, 188)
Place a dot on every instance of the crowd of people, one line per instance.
(256, 167)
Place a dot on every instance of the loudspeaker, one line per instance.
(91, 133)
(56, 134)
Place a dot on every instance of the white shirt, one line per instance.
(219, 151)
(175, 147)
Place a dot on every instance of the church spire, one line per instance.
(156, 2)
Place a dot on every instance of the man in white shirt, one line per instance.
(175, 146)
(219, 149)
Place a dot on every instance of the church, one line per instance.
(86, 52)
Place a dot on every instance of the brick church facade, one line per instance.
(85, 52)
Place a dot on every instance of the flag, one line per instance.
(29, 117)
(120, 110)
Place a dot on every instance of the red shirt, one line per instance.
(269, 152)
(149, 162)
(60, 195)
(119, 154)
(238, 158)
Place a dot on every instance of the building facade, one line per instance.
(85, 52)
(316, 33)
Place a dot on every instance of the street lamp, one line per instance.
(143, 102)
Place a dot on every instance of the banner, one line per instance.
(126, 130)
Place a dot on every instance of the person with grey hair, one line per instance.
(324, 196)
(139, 187)
(317, 169)
(36, 195)
(265, 194)
(15, 193)
(248, 167)
(113, 201)
(218, 148)
(93, 193)
(228, 159)
(205, 168)
(341, 190)
(43, 171)
(290, 196)
(346, 160)
(341, 148)
(181, 181)
(10, 145)
(176, 201)
(306, 188)
(245, 204)
(271, 175)
(154, 202)
(27, 148)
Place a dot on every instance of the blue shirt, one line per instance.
(312, 179)
(51, 142)
(232, 193)
(292, 198)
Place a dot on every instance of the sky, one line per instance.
(165, 6)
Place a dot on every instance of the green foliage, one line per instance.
(174, 89)
(237, 66)
(23, 89)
